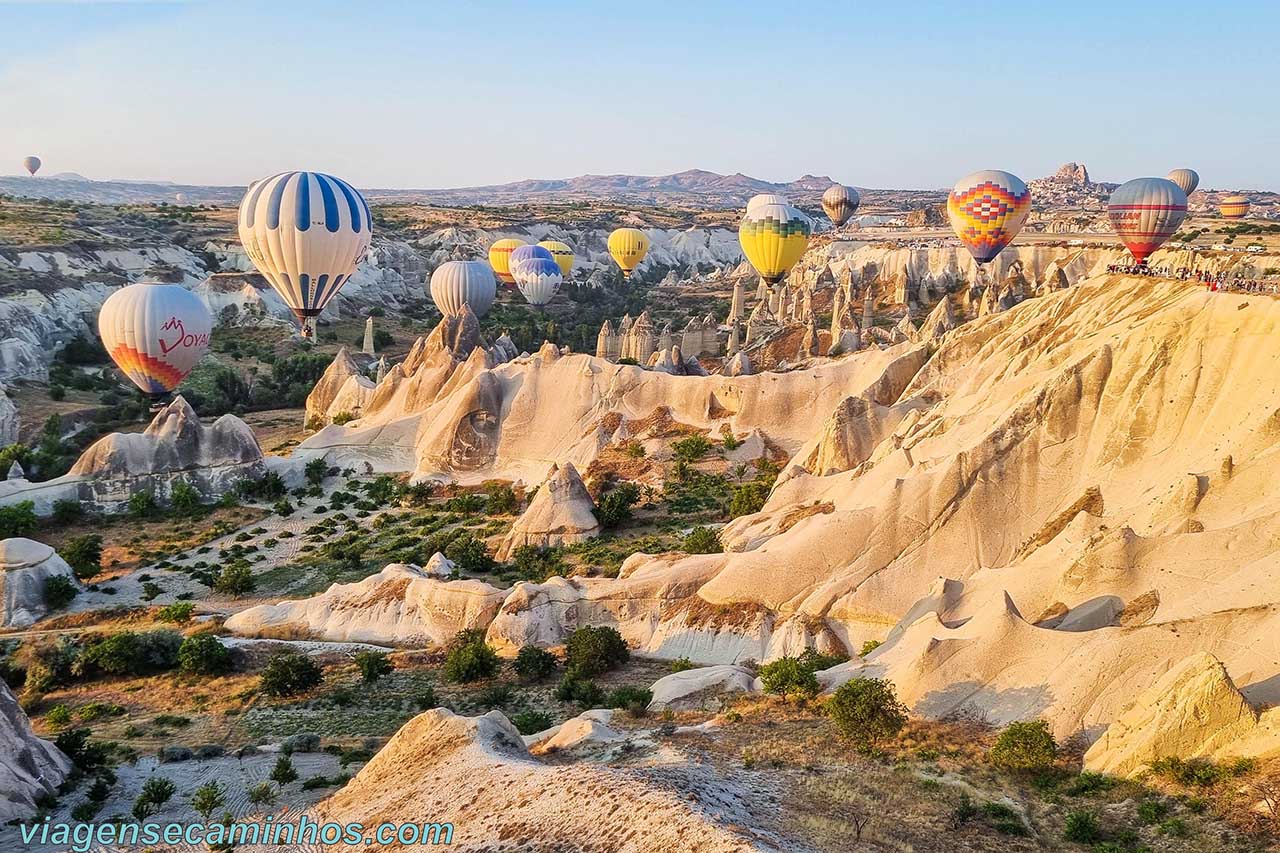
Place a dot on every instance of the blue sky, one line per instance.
(434, 94)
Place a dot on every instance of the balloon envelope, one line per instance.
(761, 199)
(500, 258)
(627, 247)
(840, 203)
(305, 232)
(1145, 212)
(524, 253)
(31, 164)
(987, 210)
(562, 252)
(155, 333)
(1234, 207)
(538, 279)
(1186, 179)
(773, 238)
(459, 284)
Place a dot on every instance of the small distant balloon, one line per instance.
(1234, 207)
(840, 203)
(456, 284)
(563, 253)
(760, 200)
(538, 279)
(1186, 179)
(627, 247)
(987, 210)
(500, 258)
(1146, 212)
(155, 333)
(31, 164)
(180, 198)
(774, 237)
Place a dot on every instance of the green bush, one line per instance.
(130, 653)
(207, 799)
(868, 647)
(373, 665)
(469, 554)
(702, 540)
(203, 654)
(316, 470)
(262, 794)
(283, 773)
(343, 418)
(157, 790)
(290, 673)
(748, 498)
(634, 700)
(681, 664)
(592, 650)
(531, 722)
(184, 499)
(470, 658)
(615, 507)
(1152, 811)
(534, 664)
(236, 579)
(18, 519)
(66, 511)
(691, 448)
(536, 564)
(790, 678)
(867, 711)
(573, 687)
(59, 592)
(179, 613)
(1025, 745)
(58, 716)
(141, 505)
(83, 554)
(1082, 828)
(501, 499)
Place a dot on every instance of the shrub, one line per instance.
(575, 688)
(290, 673)
(141, 505)
(84, 554)
(814, 660)
(1025, 746)
(343, 418)
(790, 678)
(593, 650)
(157, 790)
(502, 499)
(269, 487)
(262, 794)
(497, 696)
(691, 448)
(86, 809)
(76, 746)
(316, 470)
(283, 508)
(1082, 828)
(59, 592)
(537, 564)
(470, 658)
(179, 613)
(18, 519)
(314, 782)
(236, 579)
(184, 499)
(66, 511)
(283, 773)
(634, 700)
(1088, 783)
(534, 664)
(868, 647)
(425, 699)
(866, 711)
(1152, 811)
(681, 664)
(130, 653)
(207, 799)
(615, 507)
(373, 665)
(531, 722)
(151, 591)
(469, 554)
(748, 498)
(702, 540)
(203, 654)
(58, 716)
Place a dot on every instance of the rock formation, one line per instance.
(367, 347)
(700, 688)
(341, 370)
(739, 365)
(25, 567)
(561, 513)
(30, 768)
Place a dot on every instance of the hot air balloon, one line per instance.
(155, 333)
(1234, 207)
(563, 253)
(305, 231)
(180, 198)
(456, 284)
(774, 237)
(538, 279)
(1186, 179)
(987, 210)
(762, 199)
(31, 164)
(524, 253)
(628, 246)
(839, 203)
(1145, 212)
(500, 258)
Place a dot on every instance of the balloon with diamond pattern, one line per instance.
(987, 210)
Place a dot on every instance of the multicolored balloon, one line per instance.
(1234, 207)
(31, 164)
(305, 231)
(539, 280)
(500, 258)
(987, 210)
(459, 284)
(1145, 212)
(563, 253)
(627, 247)
(840, 203)
(761, 199)
(155, 333)
(774, 237)
(1186, 179)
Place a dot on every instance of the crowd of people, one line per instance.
(1214, 281)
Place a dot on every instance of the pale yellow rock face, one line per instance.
(1194, 711)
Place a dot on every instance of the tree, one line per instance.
(203, 654)
(790, 678)
(502, 499)
(59, 591)
(184, 499)
(283, 773)
(615, 507)
(235, 579)
(537, 564)
(18, 519)
(207, 799)
(470, 658)
(157, 790)
(142, 505)
(290, 673)
(373, 665)
(702, 540)
(469, 554)
(84, 554)
(533, 663)
(1027, 745)
(592, 650)
(748, 498)
(691, 448)
(316, 470)
(866, 711)
(67, 511)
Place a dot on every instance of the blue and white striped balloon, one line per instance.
(527, 252)
(305, 231)
(538, 279)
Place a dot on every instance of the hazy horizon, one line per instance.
(460, 95)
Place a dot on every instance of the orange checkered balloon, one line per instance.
(987, 210)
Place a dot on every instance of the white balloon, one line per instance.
(156, 333)
(760, 200)
(539, 280)
(455, 284)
